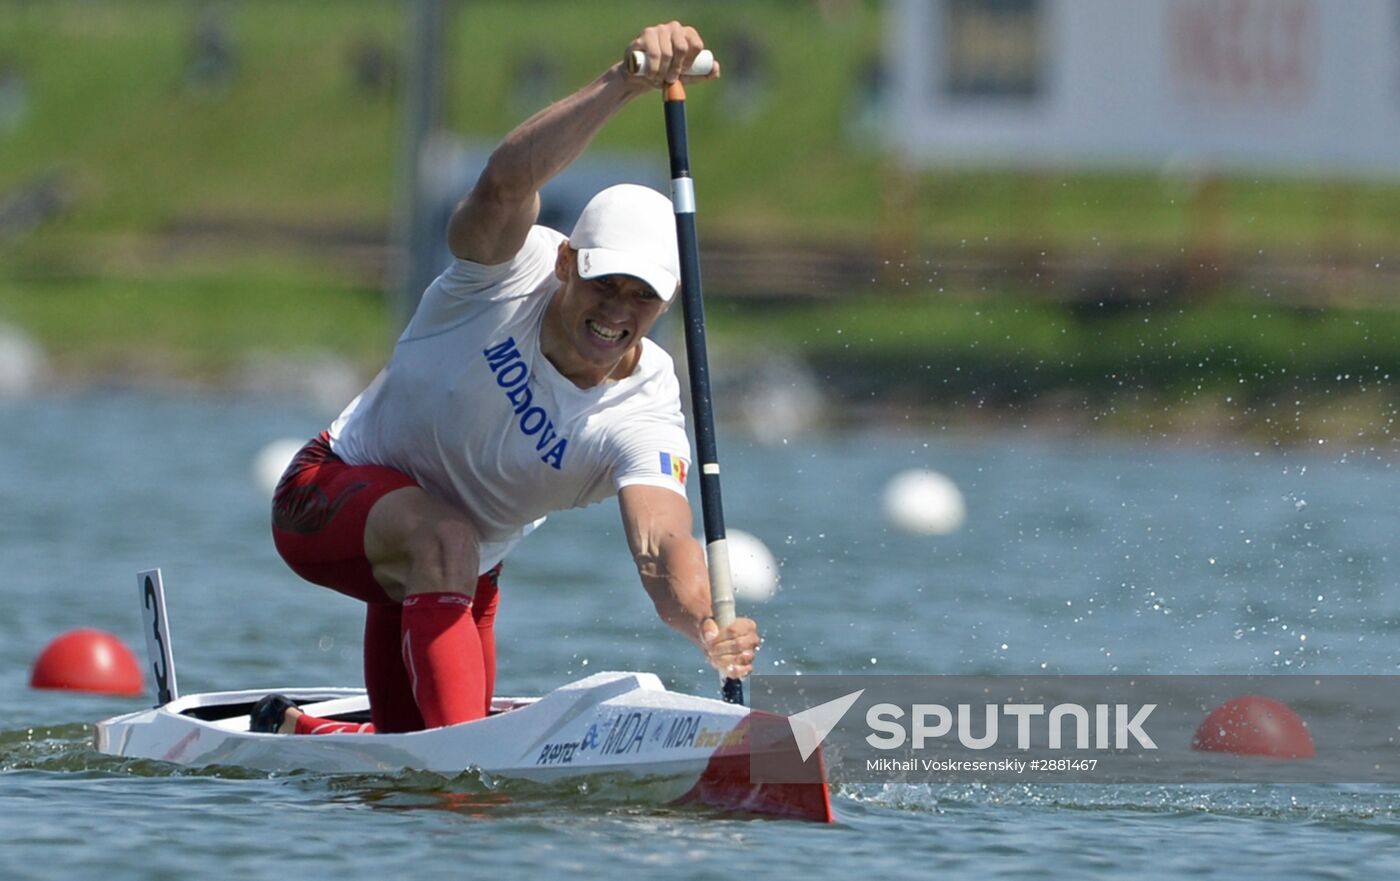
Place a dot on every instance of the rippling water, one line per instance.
(1082, 556)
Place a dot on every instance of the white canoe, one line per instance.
(693, 749)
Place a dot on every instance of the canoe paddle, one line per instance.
(693, 313)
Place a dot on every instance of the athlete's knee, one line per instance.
(445, 539)
(417, 544)
(443, 556)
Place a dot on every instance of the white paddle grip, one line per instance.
(636, 62)
(721, 582)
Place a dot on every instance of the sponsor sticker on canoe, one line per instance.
(629, 733)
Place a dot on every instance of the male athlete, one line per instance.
(524, 384)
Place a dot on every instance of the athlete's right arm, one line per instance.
(491, 223)
(671, 564)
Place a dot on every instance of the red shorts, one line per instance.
(319, 511)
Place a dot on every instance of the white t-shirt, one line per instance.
(471, 409)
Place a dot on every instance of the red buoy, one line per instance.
(1251, 725)
(88, 660)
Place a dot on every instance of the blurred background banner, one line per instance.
(1304, 86)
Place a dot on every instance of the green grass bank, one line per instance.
(289, 134)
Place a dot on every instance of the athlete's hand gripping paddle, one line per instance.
(693, 312)
(704, 64)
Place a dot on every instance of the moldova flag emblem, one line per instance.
(675, 466)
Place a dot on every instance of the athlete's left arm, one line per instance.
(671, 564)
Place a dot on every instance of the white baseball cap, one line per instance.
(629, 230)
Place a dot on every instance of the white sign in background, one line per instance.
(1308, 86)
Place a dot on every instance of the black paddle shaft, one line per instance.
(693, 312)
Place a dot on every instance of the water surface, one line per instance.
(1078, 556)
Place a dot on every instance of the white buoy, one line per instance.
(23, 364)
(924, 502)
(754, 569)
(272, 460)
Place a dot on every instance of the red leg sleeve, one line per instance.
(391, 702)
(442, 653)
